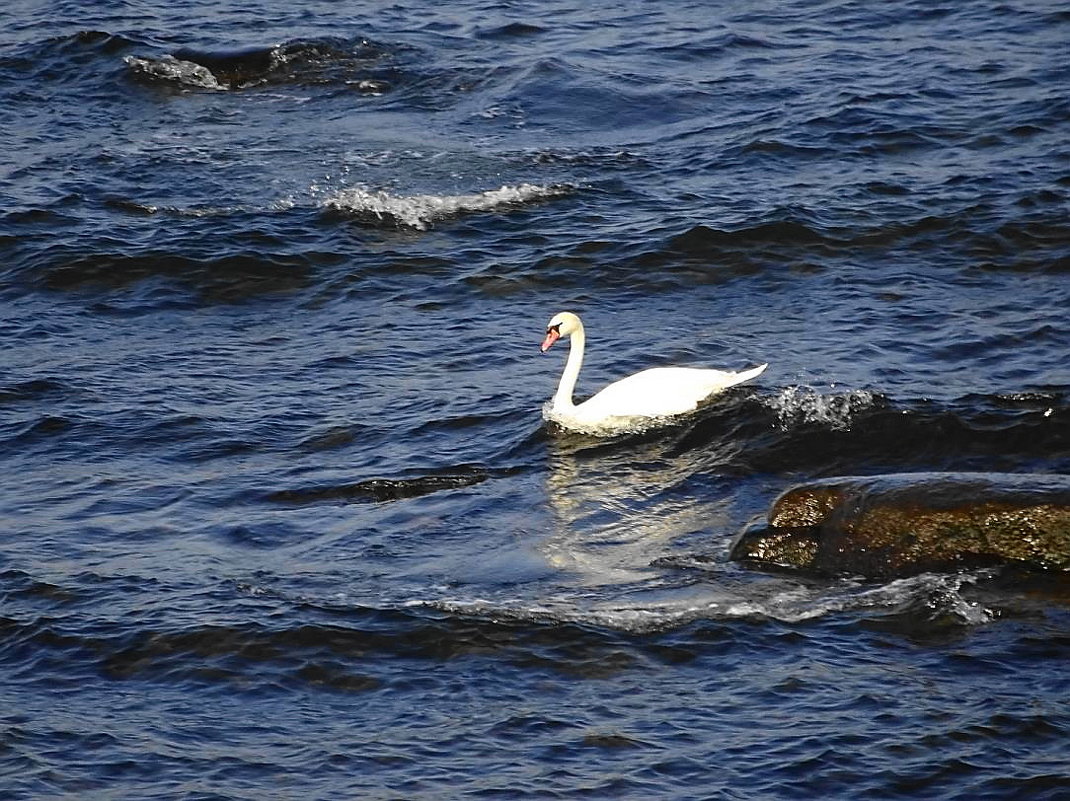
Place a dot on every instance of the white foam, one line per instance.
(938, 593)
(419, 211)
(930, 595)
(169, 68)
(807, 405)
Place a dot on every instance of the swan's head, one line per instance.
(562, 324)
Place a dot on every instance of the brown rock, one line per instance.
(901, 524)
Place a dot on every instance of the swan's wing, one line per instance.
(661, 391)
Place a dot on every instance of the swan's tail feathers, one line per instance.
(747, 375)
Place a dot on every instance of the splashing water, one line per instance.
(175, 70)
(806, 405)
(419, 211)
(929, 596)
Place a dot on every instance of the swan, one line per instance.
(633, 402)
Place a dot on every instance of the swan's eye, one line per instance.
(556, 328)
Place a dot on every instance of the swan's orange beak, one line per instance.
(551, 337)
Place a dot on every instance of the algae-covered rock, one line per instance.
(901, 524)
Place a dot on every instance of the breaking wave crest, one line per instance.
(420, 211)
(803, 405)
(168, 69)
(928, 599)
(356, 65)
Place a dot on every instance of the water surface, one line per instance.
(282, 517)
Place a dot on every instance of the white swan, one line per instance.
(633, 402)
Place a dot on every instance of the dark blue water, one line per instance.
(281, 516)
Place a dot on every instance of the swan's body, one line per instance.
(659, 392)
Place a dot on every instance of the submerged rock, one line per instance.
(901, 524)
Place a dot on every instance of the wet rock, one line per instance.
(902, 524)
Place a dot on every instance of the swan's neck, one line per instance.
(563, 396)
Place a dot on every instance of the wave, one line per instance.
(170, 69)
(227, 278)
(319, 636)
(776, 232)
(420, 211)
(147, 209)
(64, 58)
(807, 406)
(931, 600)
(994, 241)
(859, 431)
(813, 431)
(31, 390)
(356, 65)
(379, 489)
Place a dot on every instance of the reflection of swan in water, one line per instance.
(632, 403)
(615, 511)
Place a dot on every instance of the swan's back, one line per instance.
(660, 392)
